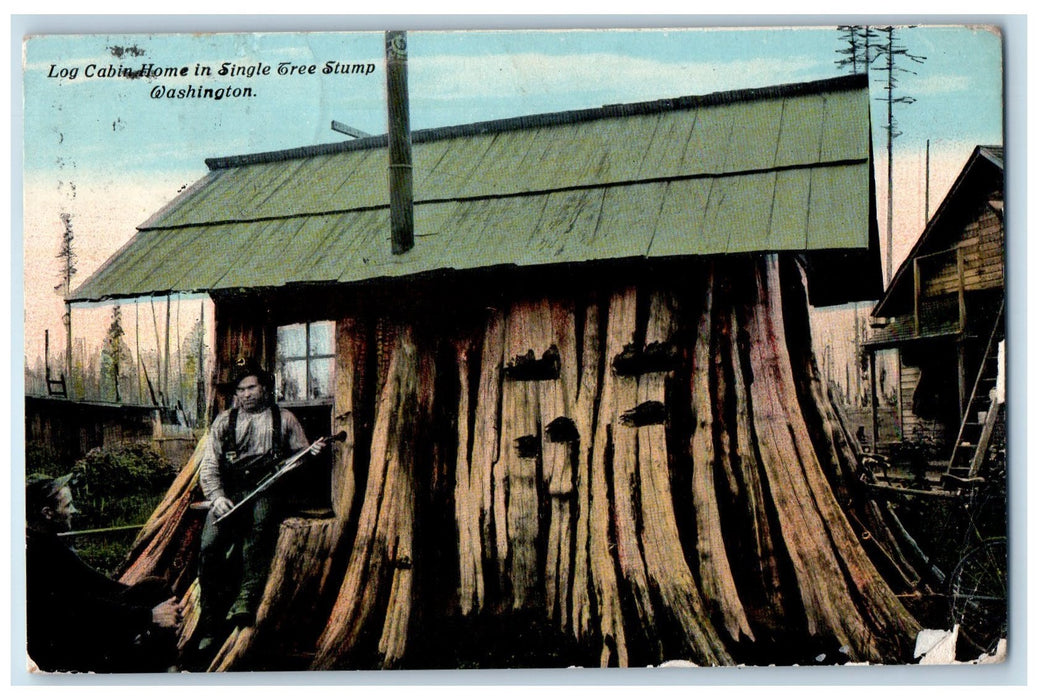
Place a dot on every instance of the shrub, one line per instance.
(119, 486)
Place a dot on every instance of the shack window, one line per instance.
(305, 362)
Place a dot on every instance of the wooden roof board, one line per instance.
(269, 190)
(186, 199)
(425, 159)
(742, 216)
(502, 231)
(799, 138)
(845, 126)
(754, 136)
(707, 148)
(566, 228)
(539, 159)
(499, 167)
(366, 184)
(364, 240)
(680, 223)
(324, 235)
(279, 244)
(234, 203)
(200, 263)
(665, 153)
(580, 158)
(456, 175)
(147, 271)
(466, 232)
(629, 219)
(834, 218)
(296, 183)
(377, 260)
(249, 267)
(205, 206)
(434, 220)
(789, 212)
(628, 153)
(716, 226)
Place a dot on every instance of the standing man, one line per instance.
(230, 468)
(78, 619)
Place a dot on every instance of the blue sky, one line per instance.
(456, 77)
(105, 151)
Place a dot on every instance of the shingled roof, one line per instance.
(785, 168)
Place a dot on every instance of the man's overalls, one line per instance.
(240, 547)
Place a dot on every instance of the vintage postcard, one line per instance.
(515, 349)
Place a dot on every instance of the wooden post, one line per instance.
(68, 338)
(961, 353)
(875, 403)
(962, 289)
(915, 279)
(401, 203)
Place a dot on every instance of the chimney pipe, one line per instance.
(401, 200)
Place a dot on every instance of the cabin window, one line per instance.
(305, 362)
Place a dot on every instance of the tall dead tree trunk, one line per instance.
(650, 471)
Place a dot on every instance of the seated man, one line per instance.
(77, 618)
(231, 466)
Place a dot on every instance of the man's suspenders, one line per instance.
(276, 437)
(275, 425)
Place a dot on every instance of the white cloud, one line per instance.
(939, 85)
(529, 74)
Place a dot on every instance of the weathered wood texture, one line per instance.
(650, 470)
(375, 599)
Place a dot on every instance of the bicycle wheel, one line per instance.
(979, 593)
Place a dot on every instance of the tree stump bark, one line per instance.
(649, 470)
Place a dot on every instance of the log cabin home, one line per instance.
(584, 424)
(943, 314)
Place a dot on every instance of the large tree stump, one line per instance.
(648, 468)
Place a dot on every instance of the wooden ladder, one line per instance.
(56, 387)
(980, 417)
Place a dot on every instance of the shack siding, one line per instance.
(968, 200)
(70, 429)
(911, 424)
(982, 246)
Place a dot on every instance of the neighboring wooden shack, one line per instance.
(943, 312)
(582, 413)
(64, 431)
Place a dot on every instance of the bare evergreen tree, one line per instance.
(67, 256)
(115, 354)
(892, 55)
(858, 49)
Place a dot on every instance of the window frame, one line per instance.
(307, 358)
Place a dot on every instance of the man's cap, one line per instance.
(248, 367)
(42, 490)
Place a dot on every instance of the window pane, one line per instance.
(322, 377)
(292, 340)
(290, 380)
(322, 338)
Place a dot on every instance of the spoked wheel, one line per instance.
(979, 592)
